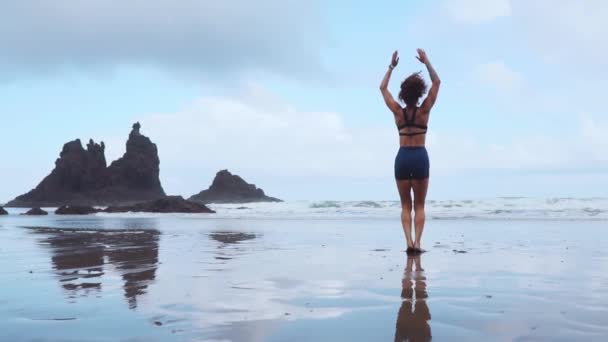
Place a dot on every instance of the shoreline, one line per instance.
(565, 209)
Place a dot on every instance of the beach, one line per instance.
(323, 271)
(237, 171)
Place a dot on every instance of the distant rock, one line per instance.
(3, 212)
(229, 188)
(135, 177)
(36, 212)
(76, 210)
(169, 204)
(82, 176)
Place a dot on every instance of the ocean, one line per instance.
(505, 208)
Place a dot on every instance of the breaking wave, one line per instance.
(504, 208)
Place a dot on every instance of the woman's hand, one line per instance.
(395, 59)
(388, 98)
(422, 56)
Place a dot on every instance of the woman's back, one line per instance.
(412, 126)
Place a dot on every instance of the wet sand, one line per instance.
(195, 278)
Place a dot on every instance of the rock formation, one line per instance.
(82, 176)
(135, 177)
(2, 211)
(76, 210)
(229, 188)
(170, 204)
(36, 212)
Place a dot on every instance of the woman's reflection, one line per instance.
(414, 314)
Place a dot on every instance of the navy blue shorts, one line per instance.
(412, 163)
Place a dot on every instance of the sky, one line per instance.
(285, 93)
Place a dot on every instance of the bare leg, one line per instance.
(420, 189)
(405, 188)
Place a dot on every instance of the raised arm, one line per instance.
(386, 94)
(428, 103)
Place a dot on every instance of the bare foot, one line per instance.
(412, 252)
(417, 247)
(410, 246)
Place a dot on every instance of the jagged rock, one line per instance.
(82, 176)
(229, 188)
(136, 174)
(169, 204)
(76, 210)
(36, 212)
(3, 212)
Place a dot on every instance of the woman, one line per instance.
(412, 161)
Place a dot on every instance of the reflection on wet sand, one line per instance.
(81, 257)
(231, 237)
(228, 239)
(414, 314)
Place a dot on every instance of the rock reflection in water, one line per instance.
(81, 257)
(231, 237)
(229, 240)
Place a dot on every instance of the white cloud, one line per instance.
(260, 136)
(499, 76)
(477, 11)
(563, 30)
(557, 31)
(593, 134)
(186, 35)
(582, 149)
(453, 153)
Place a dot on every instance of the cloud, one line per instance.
(258, 135)
(499, 76)
(187, 35)
(583, 151)
(455, 153)
(562, 31)
(476, 11)
(593, 134)
(565, 31)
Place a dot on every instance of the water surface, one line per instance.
(202, 278)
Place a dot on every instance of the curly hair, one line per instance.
(412, 89)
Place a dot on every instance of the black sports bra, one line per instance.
(411, 123)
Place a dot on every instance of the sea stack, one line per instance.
(229, 188)
(82, 177)
(36, 212)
